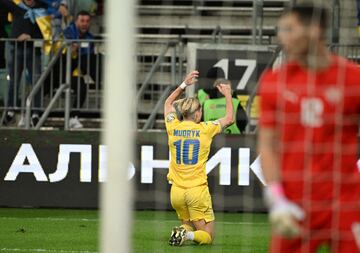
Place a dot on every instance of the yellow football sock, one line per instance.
(187, 227)
(202, 237)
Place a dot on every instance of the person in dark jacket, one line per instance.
(3, 34)
(81, 51)
(24, 54)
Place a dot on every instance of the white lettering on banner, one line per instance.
(256, 168)
(64, 158)
(26, 161)
(103, 163)
(148, 164)
(223, 158)
(26, 152)
(243, 166)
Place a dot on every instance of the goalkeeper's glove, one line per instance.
(283, 213)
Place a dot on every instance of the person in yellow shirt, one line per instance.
(189, 143)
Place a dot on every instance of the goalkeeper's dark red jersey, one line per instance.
(317, 117)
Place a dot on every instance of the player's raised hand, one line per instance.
(191, 78)
(224, 89)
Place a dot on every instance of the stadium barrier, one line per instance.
(63, 169)
(160, 65)
(34, 56)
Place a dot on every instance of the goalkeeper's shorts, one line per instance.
(192, 204)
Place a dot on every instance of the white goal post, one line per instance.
(116, 193)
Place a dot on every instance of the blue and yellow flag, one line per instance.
(42, 19)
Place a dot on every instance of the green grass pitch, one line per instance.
(76, 231)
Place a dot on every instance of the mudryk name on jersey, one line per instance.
(187, 133)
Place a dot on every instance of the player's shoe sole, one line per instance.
(177, 236)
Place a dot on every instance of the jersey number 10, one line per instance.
(183, 151)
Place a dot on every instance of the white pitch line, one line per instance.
(47, 250)
(138, 220)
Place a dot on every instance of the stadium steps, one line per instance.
(96, 123)
(90, 123)
(201, 38)
(89, 114)
(183, 30)
(160, 22)
(214, 16)
(159, 123)
(348, 22)
(195, 21)
(204, 3)
(235, 27)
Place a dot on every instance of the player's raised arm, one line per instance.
(189, 80)
(228, 119)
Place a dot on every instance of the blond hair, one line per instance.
(188, 106)
(221, 81)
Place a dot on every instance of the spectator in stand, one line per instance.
(3, 22)
(57, 9)
(82, 51)
(79, 30)
(23, 51)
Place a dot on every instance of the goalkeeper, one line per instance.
(189, 145)
(308, 140)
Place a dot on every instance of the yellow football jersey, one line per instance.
(189, 145)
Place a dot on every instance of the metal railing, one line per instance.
(150, 74)
(150, 121)
(39, 84)
(59, 90)
(58, 84)
(159, 65)
(350, 52)
(258, 18)
(38, 81)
